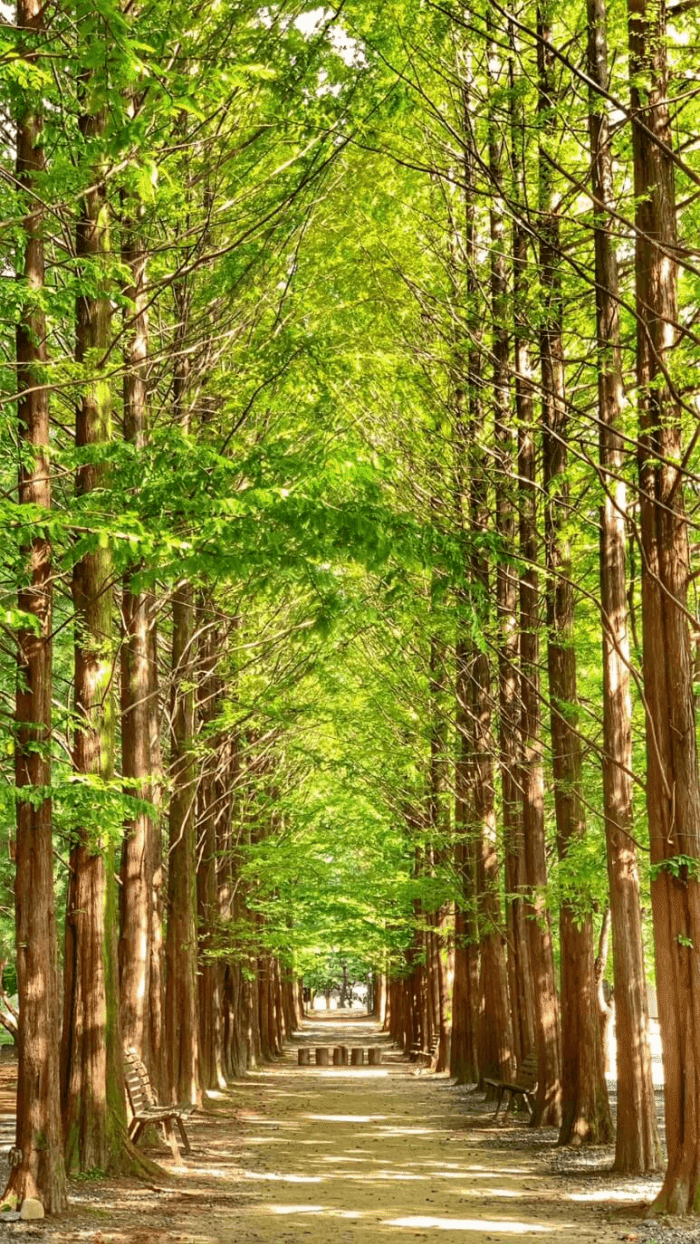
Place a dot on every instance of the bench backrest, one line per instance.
(527, 1073)
(138, 1084)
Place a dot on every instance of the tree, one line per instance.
(40, 1172)
(519, 973)
(673, 790)
(585, 1111)
(140, 979)
(92, 1077)
(544, 997)
(636, 1139)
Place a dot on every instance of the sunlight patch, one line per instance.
(396, 1175)
(296, 1209)
(409, 1131)
(468, 1224)
(346, 1118)
(286, 1179)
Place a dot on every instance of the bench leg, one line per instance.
(509, 1103)
(170, 1137)
(498, 1103)
(183, 1133)
(136, 1130)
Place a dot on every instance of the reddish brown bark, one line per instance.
(534, 860)
(156, 981)
(518, 959)
(637, 1146)
(438, 818)
(137, 854)
(230, 909)
(208, 974)
(465, 991)
(495, 1036)
(181, 1017)
(92, 1079)
(140, 850)
(464, 1063)
(41, 1171)
(673, 793)
(585, 1109)
(181, 1021)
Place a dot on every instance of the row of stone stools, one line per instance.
(339, 1055)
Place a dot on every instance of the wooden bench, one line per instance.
(417, 1052)
(524, 1085)
(341, 1055)
(145, 1108)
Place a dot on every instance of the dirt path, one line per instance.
(353, 1156)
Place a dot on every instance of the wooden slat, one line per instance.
(525, 1080)
(135, 1091)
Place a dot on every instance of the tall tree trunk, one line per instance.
(673, 794)
(156, 979)
(181, 1018)
(637, 1146)
(41, 1170)
(92, 1076)
(585, 1109)
(519, 974)
(138, 849)
(495, 1039)
(533, 867)
(464, 1061)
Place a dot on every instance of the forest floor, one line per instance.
(356, 1156)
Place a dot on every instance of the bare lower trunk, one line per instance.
(495, 1038)
(208, 975)
(604, 993)
(438, 817)
(156, 980)
(181, 1021)
(544, 995)
(231, 977)
(464, 1064)
(137, 855)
